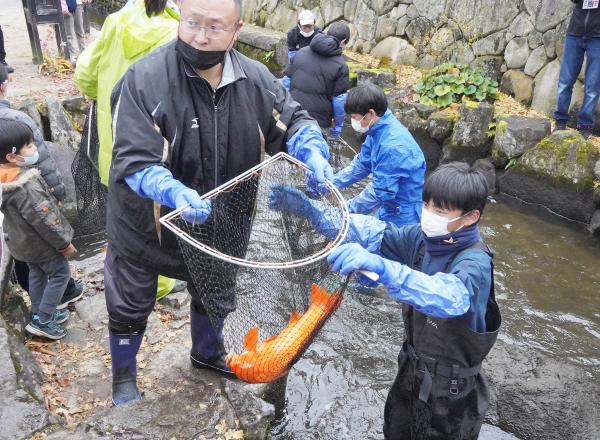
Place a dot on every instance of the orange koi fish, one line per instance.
(272, 358)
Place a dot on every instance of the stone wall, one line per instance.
(520, 42)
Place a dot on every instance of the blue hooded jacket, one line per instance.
(397, 164)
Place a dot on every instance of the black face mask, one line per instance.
(200, 59)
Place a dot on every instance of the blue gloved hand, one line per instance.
(285, 198)
(199, 209)
(335, 132)
(350, 257)
(319, 166)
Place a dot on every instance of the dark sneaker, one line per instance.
(51, 329)
(216, 363)
(73, 292)
(560, 125)
(179, 286)
(7, 67)
(60, 316)
(585, 133)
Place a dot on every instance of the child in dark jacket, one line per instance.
(37, 231)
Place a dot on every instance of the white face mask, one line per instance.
(306, 34)
(434, 225)
(357, 127)
(28, 160)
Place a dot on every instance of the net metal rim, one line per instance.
(168, 221)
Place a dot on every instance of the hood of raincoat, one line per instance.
(325, 45)
(139, 33)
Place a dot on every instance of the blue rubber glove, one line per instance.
(350, 257)
(199, 209)
(285, 198)
(157, 183)
(335, 132)
(286, 81)
(320, 170)
(309, 146)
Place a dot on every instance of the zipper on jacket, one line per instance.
(216, 109)
(585, 22)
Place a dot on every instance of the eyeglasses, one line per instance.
(212, 31)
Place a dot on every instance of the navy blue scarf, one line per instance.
(440, 251)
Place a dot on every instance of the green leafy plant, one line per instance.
(454, 82)
(268, 56)
(512, 162)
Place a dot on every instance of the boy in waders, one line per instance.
(443, 274)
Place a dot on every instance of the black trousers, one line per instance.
(443, 417)
(2, 52)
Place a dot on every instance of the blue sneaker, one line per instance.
(60, 316)
(51, 329)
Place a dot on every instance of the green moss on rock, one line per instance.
(564, 158)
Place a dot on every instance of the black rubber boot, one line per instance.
(208, 350)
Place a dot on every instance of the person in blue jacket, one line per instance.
(390, 154)
(442, 273)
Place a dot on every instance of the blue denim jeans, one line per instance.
(575, 48)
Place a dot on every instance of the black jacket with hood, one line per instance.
(318, 73)
(584, 22)
(165, 114)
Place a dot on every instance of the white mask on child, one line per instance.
(27, 161)
(434, 225)
(357, 126)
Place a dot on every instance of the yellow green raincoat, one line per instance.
(127, 35)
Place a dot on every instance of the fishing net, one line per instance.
(340, 153)
(90, 192)
(261, 273)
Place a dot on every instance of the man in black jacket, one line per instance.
(187, 118)
(318, 77)
(301, 35)
(583, 38)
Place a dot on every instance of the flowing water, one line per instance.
(548, 288)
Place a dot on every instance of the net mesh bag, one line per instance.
(340, 153)
(90, 192)
(261, 273)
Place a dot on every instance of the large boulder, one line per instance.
(486, 167)
(469, 140)
(493, 44)
(563, 157)
(20, 413)
(536, 61)
(551, 12)
(440, 125)
(517, 53)
(517, 84)
(522, 25)
(397, 49)
(61, 125)
(515, 135)
(63, 157)
(29, 107)
(491, 65)
(557, 173)
(544, 94)
(482, 17)
(384, 78)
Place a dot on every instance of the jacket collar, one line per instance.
(25, 175)
(383, 121)
(4, 103)
(232, 70)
